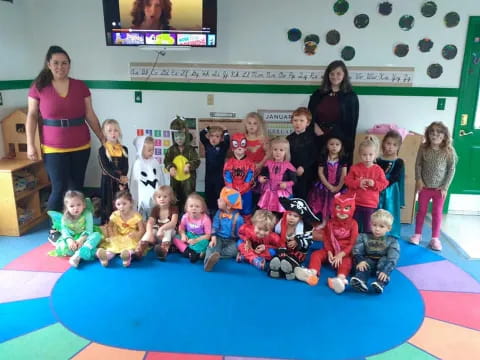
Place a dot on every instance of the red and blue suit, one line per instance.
(239, 174)
(272, 242)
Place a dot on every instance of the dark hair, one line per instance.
(123, 194)
(395, 135)
(45, 77)
(138, 13)
(324, 151)
(345, 86)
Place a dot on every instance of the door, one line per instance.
(466, 135)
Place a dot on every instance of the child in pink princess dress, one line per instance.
(278, 176)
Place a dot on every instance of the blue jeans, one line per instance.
(227, 248)
(374, 267)
(66, 172)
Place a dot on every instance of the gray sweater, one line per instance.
(435, 167)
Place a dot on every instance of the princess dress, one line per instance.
(277, 172)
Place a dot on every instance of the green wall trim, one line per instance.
(244, 88)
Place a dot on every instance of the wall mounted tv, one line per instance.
(162, 23)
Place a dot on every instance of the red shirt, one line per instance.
(366, 197)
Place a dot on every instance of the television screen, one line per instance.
(161, 22)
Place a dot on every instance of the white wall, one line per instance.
(250, 31)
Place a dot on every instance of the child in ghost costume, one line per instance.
(146, 175)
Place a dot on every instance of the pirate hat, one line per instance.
(301, 207)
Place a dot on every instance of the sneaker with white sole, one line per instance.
(74, 260)
(211, 261)
(307, 275)
(126, 258)
(377, 287)
(358, 284)
(435, 244)
(274, 268)
(102, 256)
(415, 239)
(337, 284)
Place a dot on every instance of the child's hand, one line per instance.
(330, 257)
(337, 259)
(370, 182)
(184, 238)
(173, 172)
(300, 171)
(419, 185)
(382, 276)
(213, 242)
(123, 179)
(81, 240)
(160, 233)
(186, 169)
(362, 266)
(444, 193)
(73, 245)
(283, 185)
(248, 246)
(291, 244)
(191, 241)
(364, 184)
(262, 179)
(260, 248)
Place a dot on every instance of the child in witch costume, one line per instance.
(181, 161)
(146, 175)
(239, 172)
(339, 236)
(292, 233)
(226, 223)
(113, 158)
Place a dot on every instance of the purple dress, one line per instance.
(320, 198)
(276, 173)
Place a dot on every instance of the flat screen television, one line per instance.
(161, 23)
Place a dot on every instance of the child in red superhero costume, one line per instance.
(339, 237)
(258, 243)
(238, 172)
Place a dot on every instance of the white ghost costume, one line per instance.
(145, 178)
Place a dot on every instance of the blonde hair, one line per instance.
(72, 194)
(370, 141)
(261, 129)
(149, 140)
(277, 141)
(165, 189)
(446, 144)
(382, 216)
(114, 123)
(195, 196)
(264, 219)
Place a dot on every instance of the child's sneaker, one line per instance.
(212, 261)
(126, 258)
(240, 258)
(160, 252)
(337, 284)
(358, 284)
(415, 239)
(74, 260)
(287, 269)
(274, 271)
(435, 244)
(307, 275)
(377, 287)
(193, 256)
(102, 256)
(53, 236)
(259, 263)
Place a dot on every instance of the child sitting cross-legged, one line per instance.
(258, 243)
(226, 223)
(375, 254)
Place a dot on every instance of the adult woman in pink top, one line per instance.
(66, 108)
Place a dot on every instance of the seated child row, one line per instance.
(278, 247)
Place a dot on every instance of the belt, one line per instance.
(64, 122)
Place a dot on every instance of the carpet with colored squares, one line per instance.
(174, 310)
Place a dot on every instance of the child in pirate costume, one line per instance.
(292, 233)
(339, 236)
(181, 161)
(113, 158)
(226, 223)
(146, 175)
(239, 172)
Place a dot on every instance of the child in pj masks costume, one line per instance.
(181, 161)
(239, 171)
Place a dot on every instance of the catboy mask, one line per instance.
(343, 206)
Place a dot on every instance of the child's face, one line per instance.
(379, 228)
(334, 146)
(214, 138)
(222, 205)
(147, 151)
(368, 154)
(300, 123)
(239, 152)
(390, 147)
(162, 199)
(436, 136)
(292, 218)
(336, 77)
(194, 208)
(75, 206)
(251, 124)
(123, 205)
(260, 232)
(279, 152)
(112, 133)
(179, 138)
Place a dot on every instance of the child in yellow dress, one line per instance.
(123, 232)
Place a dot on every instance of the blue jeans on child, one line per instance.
(226, 247)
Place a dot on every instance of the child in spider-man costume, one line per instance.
(339, 237)
(238, 172)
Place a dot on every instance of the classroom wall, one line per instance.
(250, 32)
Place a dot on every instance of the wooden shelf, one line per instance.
(23, 194)
(31, 223)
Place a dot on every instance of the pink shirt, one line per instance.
(72, 106)
(200, 226)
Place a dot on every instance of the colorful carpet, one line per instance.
(174, 310)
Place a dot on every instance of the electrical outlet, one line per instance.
(441, 103)
(210, 99)
(138, 96)
(1, 99)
